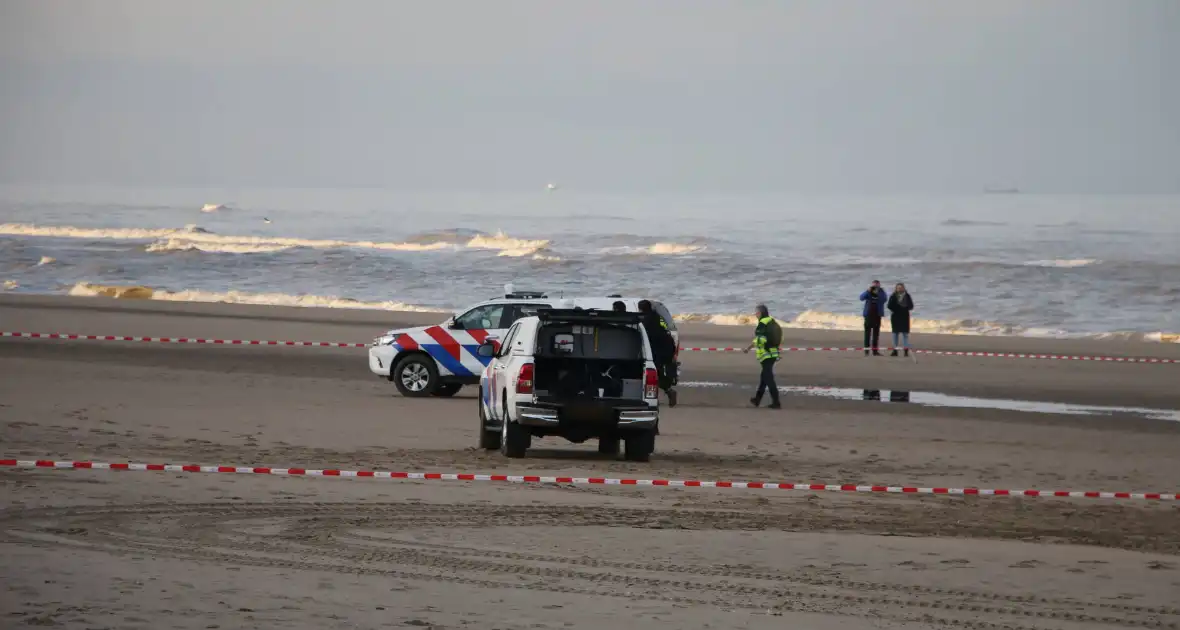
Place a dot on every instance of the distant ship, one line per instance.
(1001, 191)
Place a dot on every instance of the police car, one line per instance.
(439, 360)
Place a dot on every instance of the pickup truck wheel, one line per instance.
(514, 439)
(609, 446)
(446, 390)
(639, 446)
(488, 440)
(415, 376)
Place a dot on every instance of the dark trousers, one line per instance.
(872, 332)
(666, 370)
(766, 381)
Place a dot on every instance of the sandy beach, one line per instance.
(94, 549)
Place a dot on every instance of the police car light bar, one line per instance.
(511, 294)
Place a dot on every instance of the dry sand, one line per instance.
(92, 549)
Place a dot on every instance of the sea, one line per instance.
(978, 264)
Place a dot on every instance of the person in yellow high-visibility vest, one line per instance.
(767, 354)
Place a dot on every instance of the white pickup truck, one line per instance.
(573, 373)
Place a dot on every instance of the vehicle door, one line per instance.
(498, 373)
(460, 344)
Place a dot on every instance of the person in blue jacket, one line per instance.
(874, 309)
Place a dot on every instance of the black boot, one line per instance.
(866, 353)
(876, 353)
(907, 352)
(893, 354)
(755, 402)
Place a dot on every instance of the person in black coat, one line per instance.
(900, 305)
(663, 347)
(874, 309)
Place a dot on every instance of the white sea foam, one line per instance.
(213, 207)
(822, 320)
(194, 237)
(46, 260)
(815, 320)
(656, 249)
(719, 320)
(1062, 263)
(508, 246)
(240, 297)
(183, 245)
(11, 284)
(66, 231)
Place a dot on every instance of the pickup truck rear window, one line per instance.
(583, 341)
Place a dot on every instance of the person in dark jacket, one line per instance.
(874, 310)
(900, 304)
(663, 347)
(619, 307)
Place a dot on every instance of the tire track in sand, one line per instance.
(361, 538)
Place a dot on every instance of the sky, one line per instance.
(847, 96)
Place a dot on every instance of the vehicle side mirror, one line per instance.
(453, 323)
(488, 349)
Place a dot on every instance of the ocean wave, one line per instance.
(187, 245)
(452, 236)
(195, 237)
(655, 249)
(969, 223)
(813, 320)
(718, 320)
(88, 289)
(823, 320)
(46, 260)
(1063, 263)
(11, 284)
(504, 243)
(67, 231)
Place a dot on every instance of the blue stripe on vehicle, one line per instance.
(474, 350)
(444, 358)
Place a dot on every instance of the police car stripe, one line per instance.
(474, 350)
(479, 336)
(405, 342)
(446, 360)
(445, 341)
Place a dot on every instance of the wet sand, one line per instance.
(125, 550)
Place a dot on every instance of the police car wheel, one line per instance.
(514, 439)
(488, 440)
(639, 446)
(415, 376)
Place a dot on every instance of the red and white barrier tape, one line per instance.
(336, 344)
(198, 340)
(605, 481)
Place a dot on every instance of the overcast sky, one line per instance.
(608, 95)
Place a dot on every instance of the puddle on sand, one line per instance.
(932, 399)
